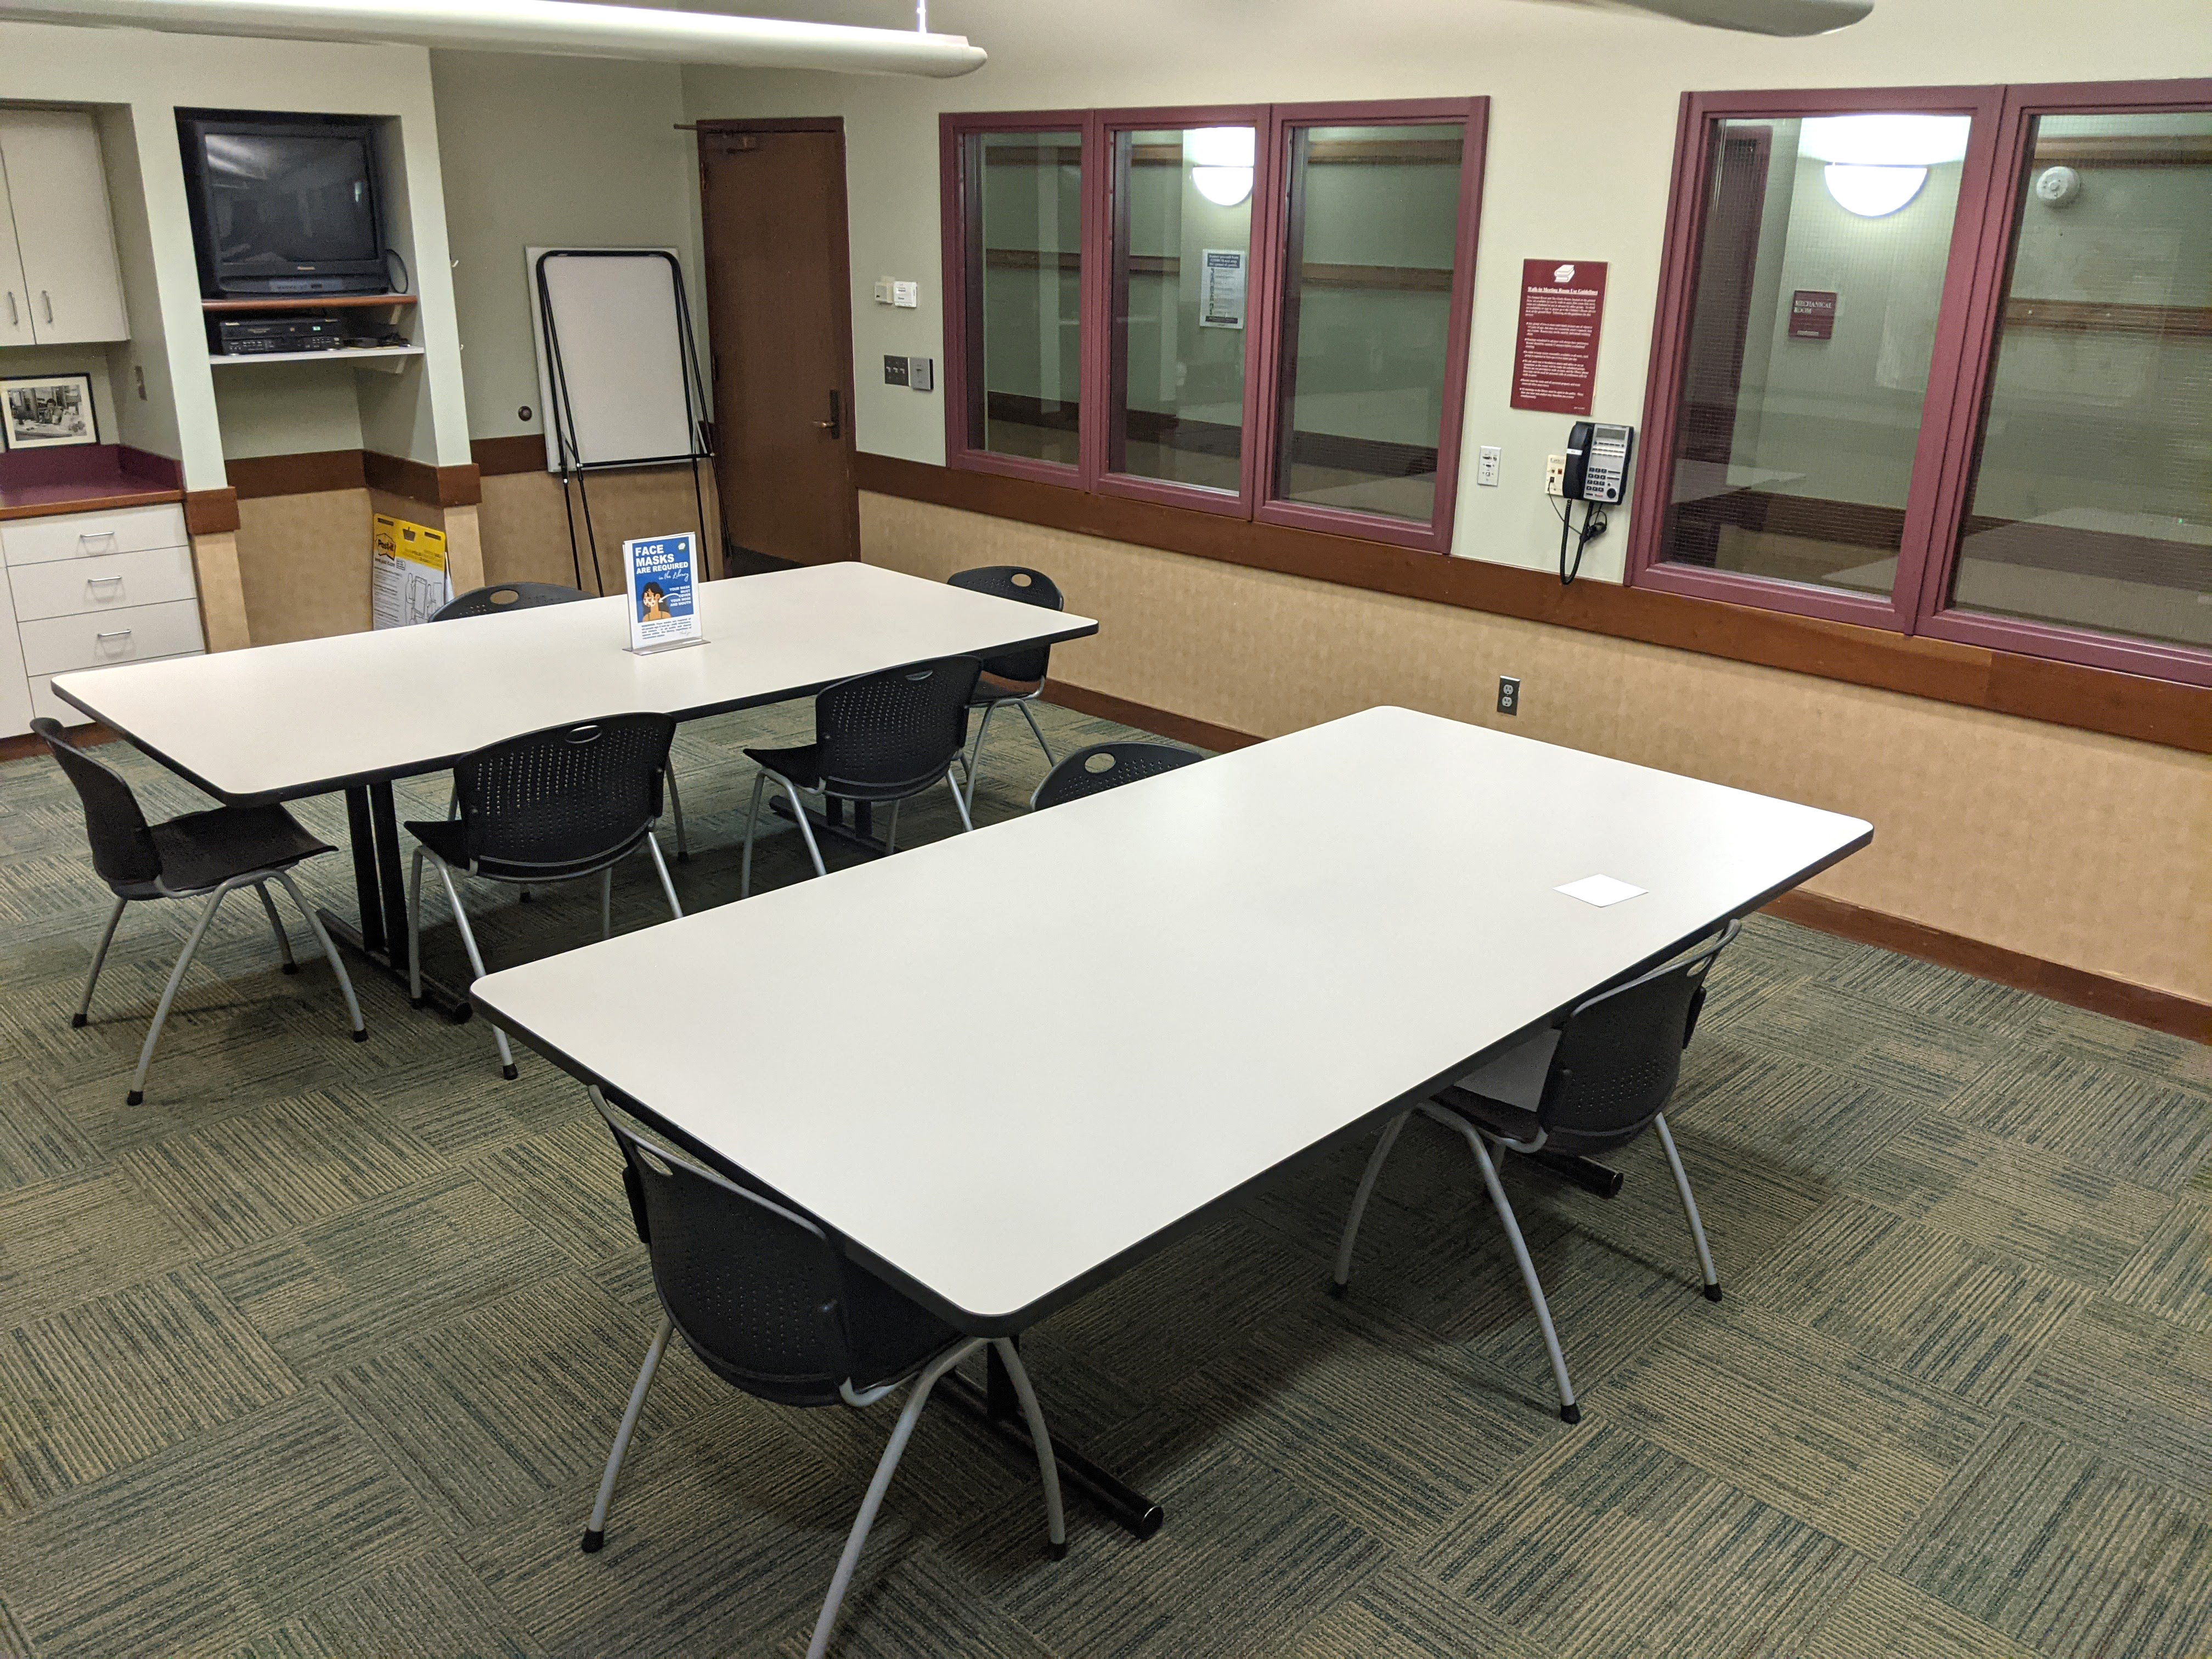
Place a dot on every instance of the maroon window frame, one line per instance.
(962, 235)
(1963, 361)
(1265, 284)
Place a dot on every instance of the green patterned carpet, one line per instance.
(319, 1350)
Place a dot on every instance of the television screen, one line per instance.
(281, 201)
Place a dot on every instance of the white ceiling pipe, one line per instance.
(569, 29)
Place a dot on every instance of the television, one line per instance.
(284, 205)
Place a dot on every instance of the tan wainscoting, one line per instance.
(2070, 846)
(303, 563)
(524, 526)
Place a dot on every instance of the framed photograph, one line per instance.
(48, 412)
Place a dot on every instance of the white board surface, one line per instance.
(621, 355)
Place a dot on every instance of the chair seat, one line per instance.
(803, 767)
(448, 839)
(1495, 1117)
(1516, 1077)
(988, 691)
(202, 850)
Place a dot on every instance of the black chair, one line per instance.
(1106, 766)
(880, 737)
(502, 597)
(1016, 679)
(766, 1299)
(1593, 1084)
(558, 805)
(213, 852)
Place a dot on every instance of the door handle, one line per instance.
(834, 426)
(48, 300)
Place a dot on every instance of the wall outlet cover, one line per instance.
(1555, 475)
(1508, 694)
(1485, 470)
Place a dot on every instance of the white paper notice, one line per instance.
(1599, 889)
(1221, 288)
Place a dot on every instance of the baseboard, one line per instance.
(24, 745)
(1102, 705)
(2138, 1005)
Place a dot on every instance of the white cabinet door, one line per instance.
(14, 298)
(58, 191)
(15, 690)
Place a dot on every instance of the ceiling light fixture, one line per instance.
(1221, 162)
(1876, 163)
(573, 28)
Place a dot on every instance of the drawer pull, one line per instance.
(114, 633)
(91, 582)
(13, 318)
(49, 300)
(86, 539)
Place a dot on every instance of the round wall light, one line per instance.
(1872, 191)
(1878, 163)
(1221, 162)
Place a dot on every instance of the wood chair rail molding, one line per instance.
(2139, 1004)
(255, 477)
(1975, 677)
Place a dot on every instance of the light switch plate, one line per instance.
(895, 371)
(908, 295)
(1485, 470)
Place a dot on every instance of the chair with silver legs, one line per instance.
(554, 806)
(765, 1297)
(880, 738)
(502, 597)
(1587, 1086)
(207, 854)
(1016, 679)
(1106, 766)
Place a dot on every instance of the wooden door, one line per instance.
(58, 193)
(779, 330)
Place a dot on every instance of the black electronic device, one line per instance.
(284, 205)
(1596, 475)
(297, 330)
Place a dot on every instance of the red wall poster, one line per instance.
(1812, 315)
(1555, 351)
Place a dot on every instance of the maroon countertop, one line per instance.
(39, 482)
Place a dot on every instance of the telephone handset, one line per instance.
(1596, 475)
(1597, 462)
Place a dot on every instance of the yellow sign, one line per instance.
(408, 573)
(397, 538)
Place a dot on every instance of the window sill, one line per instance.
(1975, 677)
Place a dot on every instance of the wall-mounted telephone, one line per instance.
(1597, 462)
(1596, 475)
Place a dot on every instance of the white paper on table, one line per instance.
(1599, 889)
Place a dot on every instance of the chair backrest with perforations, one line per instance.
(122, 849)
(1014, 581)
(1620, 1052)
(1106, 766)
(568, 795)
(897, 728)
(757, 1290)
(507, 596)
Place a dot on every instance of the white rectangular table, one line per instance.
(357, 711)
(1197, 978)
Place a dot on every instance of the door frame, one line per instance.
(842, 268)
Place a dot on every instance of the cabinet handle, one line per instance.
(15, 317)
(48, 300)
(114, 633)
(86, 539)
(91, 582)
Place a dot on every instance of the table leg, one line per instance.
(995, 1405)
(381, 937)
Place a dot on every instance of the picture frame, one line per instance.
(48, 412)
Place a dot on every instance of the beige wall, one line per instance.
(2078, 848)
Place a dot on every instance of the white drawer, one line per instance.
(44, 702)
(58, 644)
(111, 581)
(81, 535)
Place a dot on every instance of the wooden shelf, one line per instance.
(310, 302)
(389, 358)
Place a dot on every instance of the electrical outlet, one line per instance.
(1555, 475)
(1485, 470)
(884, 290)
(895, 371)
(1508, 694)
(922, 373)
(906, 295)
